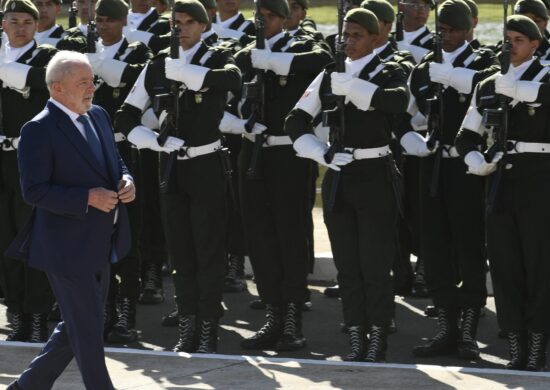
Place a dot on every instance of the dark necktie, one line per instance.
(93, 141)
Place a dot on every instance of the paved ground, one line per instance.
(326, 344)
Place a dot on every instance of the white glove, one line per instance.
(309, 146)
(462, 79)
(191, 75)
(234, 125)
(144, 138)
(524, 91)
(265, 59)
(477, 164)
(227, 33)
(150, 120)
(109, 70)
(136, 35)
(356, 90)
(441, 73)
(417, 51)
(14, 74)
(415, 145)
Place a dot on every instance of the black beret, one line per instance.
(535, 7)
(523, 25)
(455, 13)
(473, 8)
(116, 9)
(381, 8)
(21, 6)
(209, 4)
(193, 8)
(365, 18)
(279, 7)
(303, 3)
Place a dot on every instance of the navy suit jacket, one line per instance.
(57, 168)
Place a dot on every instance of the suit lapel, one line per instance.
(71, 132)
(106, 145)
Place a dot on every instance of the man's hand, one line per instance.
(126, 191)
(102, 199)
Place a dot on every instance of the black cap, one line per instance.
(455, 13)
(535, 7)
(21, 6)
(524, 25)
(193, 8)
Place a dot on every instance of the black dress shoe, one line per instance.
(332, 291)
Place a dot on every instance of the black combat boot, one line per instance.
(536, 358)
(123, 330)
(19, 327)
(292, 338)
(419, 288)
(445, 341)
(270, 333)
(208, 336)
(517, 348)
(332, 291)
(467, 345)
(376, 350)
(234, 278)
(38, 328)
(152, 292)
(170, 319)
(186, 334)
(357, 338)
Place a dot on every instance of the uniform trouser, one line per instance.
(235, 232)
(411, 181)
(127, 269)
(152, 244)
(79, 335)
(25, 289)
(196, 234)
(274, 214)
(518, 244)
(362, 237)
(453, 235)
(312, 194)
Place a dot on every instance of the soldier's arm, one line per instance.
(312, 61)
(132, 70)
(470, 136)
(20, 75)
(226, 78)
(393, 97)
(137, 101)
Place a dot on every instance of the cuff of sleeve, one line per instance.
(280, 63)
(361, 92)
(462, 79)
(17, 74)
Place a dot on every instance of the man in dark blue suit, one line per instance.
(73, 176)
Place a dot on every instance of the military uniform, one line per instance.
(50, 36)
(237, 22)
(23, 95)
(197, 203)
(452, 243)
(74, 39)
(276, 206)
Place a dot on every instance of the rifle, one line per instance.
(254, 92)
(91, 36)
(170, 103)
(399, 35)
(72, 15)
(498, 119)
(435, 109)
(335, 118)
(1, 108)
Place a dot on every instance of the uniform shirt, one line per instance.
(108, 51)
(135, 18)
(410, 36)
(40, 36)
(227, 22)
(13, 53)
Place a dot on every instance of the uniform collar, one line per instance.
(273, 40)
(450, 57)
(13, 53)
(83, 28)
(135, 18)
(520, 69)
(46, 33)
(189, 53)
(207, 34)
(109, 51)
(355, 67)
(227, 22)
(412, 35)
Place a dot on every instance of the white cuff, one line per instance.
(474, 159)
(417, 52)
(150, 120)
(193, 76)
(231, 124)
(361, 92)
(111, 71)
(15, 74)
(527, 91)
(309, 146)
(142, 137)
(280, 63)
(137, 36)
(462, 79)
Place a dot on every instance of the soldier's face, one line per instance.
(159, 6)
(273, 23)
(540, 22)
(20, 28)
(85, 13)
(229, 6)
(415, 13)
(359, 42)
(140, 6)
(48, 11)
(76, 89)
(297, 14)
(109, 29)
(522, 47)
(451, 38)
(190, 30)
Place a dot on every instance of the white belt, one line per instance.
(449, 151)
(186, 153)
(361, 154)
(119, 137)
(515, 147)
(270, 140)
(10, 144)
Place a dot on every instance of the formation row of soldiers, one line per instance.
(263, 100)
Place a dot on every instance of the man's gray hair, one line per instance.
(61, 64)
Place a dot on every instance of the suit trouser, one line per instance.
(25, 289)
(453, 235)
(79, 335)
(196, 235)
(518, 243)
(274, 214)
(128, 268)
(362, 237)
